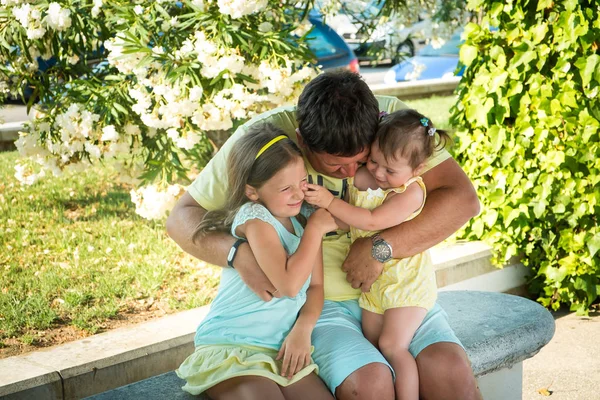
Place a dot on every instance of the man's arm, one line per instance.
(451, 202)
(214, 247)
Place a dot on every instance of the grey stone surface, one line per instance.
(498, 330)
(165, 386)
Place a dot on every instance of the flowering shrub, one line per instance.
(142, 84)
(148, 83)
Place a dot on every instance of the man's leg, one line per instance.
(348, 363)
(444, 368)
(373, 381)
(445, 373)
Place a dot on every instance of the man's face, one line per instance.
(336, 166)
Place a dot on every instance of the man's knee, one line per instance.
(445, 373)
(373, 381)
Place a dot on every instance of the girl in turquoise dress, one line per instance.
(386, 192)
(245, 347)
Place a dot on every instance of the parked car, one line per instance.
(330, 48)
(429, 63)
(385, 43)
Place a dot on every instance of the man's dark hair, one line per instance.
(337, 114)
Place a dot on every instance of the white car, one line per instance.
(390, 41)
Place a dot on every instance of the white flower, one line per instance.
(97, 7)
(92, 150)
(35, 33)
(22, 14)
(239, 8)
(109, 133)
(265, 27)
(138, 9)
(153, 203)
(196, 93)
(172, 134)
(199, 4)
(57, 18)
(26, 176)
(158, 50)
(132, 129)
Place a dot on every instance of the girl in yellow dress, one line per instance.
(384, 193)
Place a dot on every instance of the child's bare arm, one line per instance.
(271, 256)
(295, 350)
(395, 210)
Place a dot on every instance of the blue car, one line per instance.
(329, 47)
(429, 63)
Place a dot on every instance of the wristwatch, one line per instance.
(381, 250)
(233, 252)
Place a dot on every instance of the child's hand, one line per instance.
(295, 352)
(318, 196)
(323, 220)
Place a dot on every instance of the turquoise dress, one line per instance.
(242, 334)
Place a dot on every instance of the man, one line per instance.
(334, 124)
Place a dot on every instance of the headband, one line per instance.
(271, 142)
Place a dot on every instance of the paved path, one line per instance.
(568, 366)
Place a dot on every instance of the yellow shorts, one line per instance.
(409, 282)
(213, 364)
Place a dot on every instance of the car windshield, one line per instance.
(450, 48)
(319, 44)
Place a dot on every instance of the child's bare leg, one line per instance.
(246, 387)
(372, 323)
(399, 327)
(309, 387)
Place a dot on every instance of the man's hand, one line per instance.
(360, 266)
(318, 196)
(254, 277)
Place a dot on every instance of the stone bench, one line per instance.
(499, 331)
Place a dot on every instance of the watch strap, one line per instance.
(233, 252)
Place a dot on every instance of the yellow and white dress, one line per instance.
(409, 282)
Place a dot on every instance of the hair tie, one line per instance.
(271, 142)
(425, 122)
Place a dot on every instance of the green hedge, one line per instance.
(527, 119)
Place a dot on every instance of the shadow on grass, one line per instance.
(94, 208)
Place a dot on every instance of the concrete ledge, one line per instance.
(417, 89)
(23, 379)
(116, 358)
(498, 331)
(104, 361)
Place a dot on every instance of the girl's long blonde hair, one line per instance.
(244, 169)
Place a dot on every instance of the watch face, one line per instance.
(381, 252)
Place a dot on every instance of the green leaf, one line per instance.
(467, 54)
(490, 218)
(586, 67)
(593, 244)
(539, 208)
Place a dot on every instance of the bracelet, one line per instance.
(233, 252)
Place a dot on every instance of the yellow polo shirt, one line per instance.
(210, 191)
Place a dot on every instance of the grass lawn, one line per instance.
(436, 108)
(75, 258)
